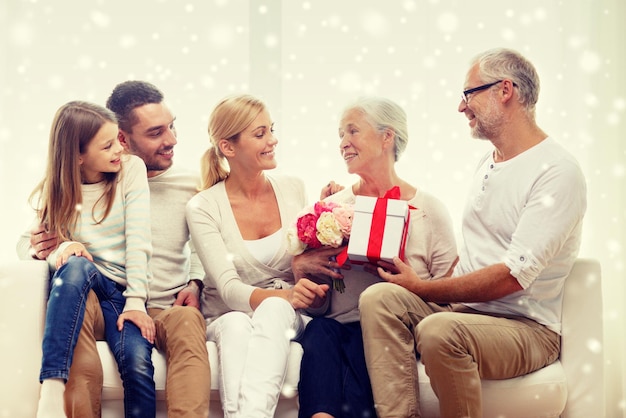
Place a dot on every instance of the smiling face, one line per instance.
(102, 155)
(360, 142)
(152, 137)
(482, 109)
(256, 145)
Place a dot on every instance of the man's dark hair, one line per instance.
(127, 96)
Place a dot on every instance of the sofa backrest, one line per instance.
(582, 349)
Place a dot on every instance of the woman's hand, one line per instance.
(76, 249)
(143, 322)
(330, 189)
(317, 261)
(308, 294)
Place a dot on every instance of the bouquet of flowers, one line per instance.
(323, 224)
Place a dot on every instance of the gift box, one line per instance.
(379, 229)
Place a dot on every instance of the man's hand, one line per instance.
(143, 322)
(317, 261)
(330, 189)
(306, 294)
(42, 243)
(399, 273)
(373, 268)
(76, 249)
(189, 296)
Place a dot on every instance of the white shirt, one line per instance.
(526, 212)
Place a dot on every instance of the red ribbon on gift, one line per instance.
(379, 217)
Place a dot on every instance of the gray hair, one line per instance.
(384, 114)
(499, 63)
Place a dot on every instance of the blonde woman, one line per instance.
(238, 225)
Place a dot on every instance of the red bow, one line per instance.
(379, 217)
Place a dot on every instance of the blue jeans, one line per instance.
(69, 288)
(333, 374)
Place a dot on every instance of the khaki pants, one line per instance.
(458, 346)
(180, 334)
(84, 386)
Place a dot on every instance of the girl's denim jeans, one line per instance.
(69, 288)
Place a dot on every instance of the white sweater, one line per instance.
(174, 261)
(232, 272)
(121, 243)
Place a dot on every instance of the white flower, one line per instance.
(329, 230)
(294, 245)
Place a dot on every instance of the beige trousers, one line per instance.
(84, 386)
(180, 334)
(458, 346)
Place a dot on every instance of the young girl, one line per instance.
(96, 200)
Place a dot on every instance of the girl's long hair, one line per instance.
(228, 120)
(60, 197)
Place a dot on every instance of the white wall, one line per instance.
(307, 59)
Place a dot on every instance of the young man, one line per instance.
(146, 129)
(499, 316)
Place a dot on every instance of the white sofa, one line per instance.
(572, 387)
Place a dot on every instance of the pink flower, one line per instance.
(307, 231)
(314, 232)
(322, 224)
(343, 216)
(322, 206)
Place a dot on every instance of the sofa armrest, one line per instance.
(24, 291)
(582, 340)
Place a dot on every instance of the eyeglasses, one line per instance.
(466, 93)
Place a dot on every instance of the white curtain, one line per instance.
(307, 59)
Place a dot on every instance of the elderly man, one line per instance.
(499, 315)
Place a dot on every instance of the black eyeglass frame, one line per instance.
(480, 88)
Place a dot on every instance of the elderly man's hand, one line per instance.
(399, 273)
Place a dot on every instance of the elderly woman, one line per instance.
(333, 378)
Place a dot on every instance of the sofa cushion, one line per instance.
(539, 394)
(112, 384)
(534, 393)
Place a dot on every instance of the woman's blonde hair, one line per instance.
(228, 120)
(75, 124)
